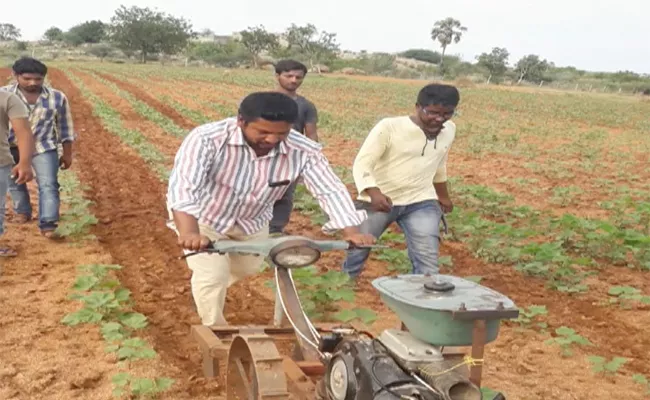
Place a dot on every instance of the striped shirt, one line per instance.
(50, 117)
(218, 179)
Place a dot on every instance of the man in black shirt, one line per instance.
(290, 75)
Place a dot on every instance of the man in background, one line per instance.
(401, 176)
(13, 115)
(51, 124)
(290, 75)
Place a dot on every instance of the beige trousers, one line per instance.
(212, 274)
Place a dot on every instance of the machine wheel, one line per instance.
(255, 370)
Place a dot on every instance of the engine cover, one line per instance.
(409, 351)
(363, 369)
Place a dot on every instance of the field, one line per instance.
(552, 209)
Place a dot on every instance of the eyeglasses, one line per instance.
(437, 113)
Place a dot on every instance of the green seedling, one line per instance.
(611, 367)
(626, 295)
(566, 337)
(529, 317)
(642, 380)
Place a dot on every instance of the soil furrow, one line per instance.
(141, 95)
(121, 183)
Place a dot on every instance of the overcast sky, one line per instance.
(598, 35)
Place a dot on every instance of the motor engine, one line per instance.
(393, 366)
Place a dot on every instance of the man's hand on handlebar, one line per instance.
(356, 238)
(193, 241)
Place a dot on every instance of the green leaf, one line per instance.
(98, 300)
(638, 378)
(112, 348)
(366, 315)
(474, 278)
(83, 316)
(135, 342)
(345, 315)
(164, 383)
(120, 379)
(565, 331)
(122, 294)
(142, 386)
(134, 320)
(84, 283)
(112, 331)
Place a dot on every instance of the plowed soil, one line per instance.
(66, 363)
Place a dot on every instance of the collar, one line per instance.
(236, 138)
(45, 92)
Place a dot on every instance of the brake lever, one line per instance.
(194, 253)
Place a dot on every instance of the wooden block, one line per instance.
(311, 368)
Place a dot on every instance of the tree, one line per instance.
(9, 32)
(256, 40)
(429, 56)
(445, 32)
(87, 32)
(229, 54)
(101, 51)
(531, 67)
(54, 34)
(496, 62)
(316, 47)
(149, 31)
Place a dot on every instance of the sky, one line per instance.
(596, 35)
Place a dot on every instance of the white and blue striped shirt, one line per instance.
(218, 179)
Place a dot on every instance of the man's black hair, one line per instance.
(438, 94)
(289, 65)
(29, 65)
(270, 106)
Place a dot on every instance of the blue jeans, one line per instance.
(420, 223)
(5, 173)
(46, 169)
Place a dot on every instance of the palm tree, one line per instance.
(446, 31)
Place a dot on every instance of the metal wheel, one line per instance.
(255, 370)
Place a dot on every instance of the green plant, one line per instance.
(141, 387)
(105, 302)
(76, 219)
(320, 292)
(611, 367)
(642, 380)
(624, 295)
(566, 338)
(528, 317)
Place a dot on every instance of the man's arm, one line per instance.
(311, 121)
(440, 184)
(192, 162)
(65, 131)
(332, 196)
(372, 149)
(19, 118)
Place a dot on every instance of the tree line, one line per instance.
(148, 34)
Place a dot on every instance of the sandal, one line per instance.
(7, 252)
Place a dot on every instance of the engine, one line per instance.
(393, 366)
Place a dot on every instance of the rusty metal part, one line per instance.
(255, 370)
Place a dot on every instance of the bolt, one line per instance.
(500, 306)
(462, 307)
